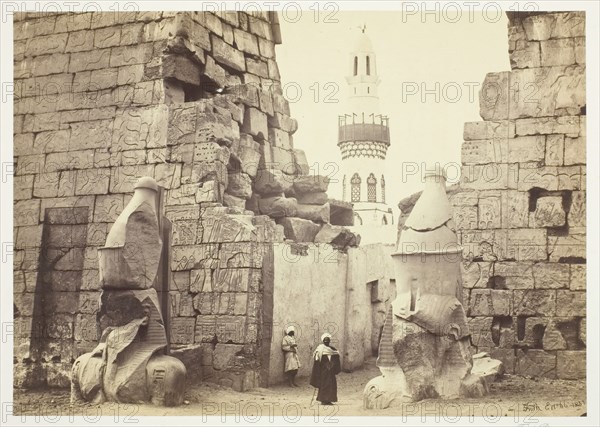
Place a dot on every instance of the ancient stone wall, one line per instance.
(193, 100)
(521, 203)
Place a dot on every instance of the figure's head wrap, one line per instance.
(322, 349)
(290, 329)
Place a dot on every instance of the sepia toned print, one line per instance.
(183, 245)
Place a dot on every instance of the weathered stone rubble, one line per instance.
(193, 100)
(520, 208)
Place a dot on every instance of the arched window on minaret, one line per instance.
(382, 189)
(355, 188)
(355, 65)
(368, 66)
(371, 188)
(384, 221)
(344, 188)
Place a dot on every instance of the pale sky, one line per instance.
(410, 54)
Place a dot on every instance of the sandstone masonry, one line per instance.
(193, 100)
(520, 206)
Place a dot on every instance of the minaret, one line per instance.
(363, 139)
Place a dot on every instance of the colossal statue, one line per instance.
(424, 350)
(129, 364)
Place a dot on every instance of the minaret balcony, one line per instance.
(376, 132)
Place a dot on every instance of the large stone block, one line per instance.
(532, 176)
(237, 280)
(272, 181)
(535, 302)
(257, 67)
(299, 230)
(527, 244)
(193, 257)
(181, 68)
(568, 125)
(476, 274)
(310, 183)
(225, 229)
(233, 201)
(490, 213)
(181, 123)
(246, 94)
(92, 181)
(481, 331)
(525, 55)
(515, 209)
(227, 55)
(490, 176)
(278, 207)
(575, 151)
(571, 365)
(267, 230)
(216, 127)
(571, 178)
(555, 148)
(548, 275)
(314, 213)
(488, 130)
(182, 330)
(549, 212)
(526, 149)
(129, 55)
(300, 162)
(513, 95)
(255, 124)
(317, 198)
(140, 128)
(570, 303)
(241, 255)
(249, 155)
(557, 52)
(230, 328)
(474, 152)
(224, 355)
(554, 25)
(536, 363)
(578, 277)
(280, 138)
(283, 160)
(239, 185)
(83, 61)
(488, 302)
(337, 236)
(246, 42)
(561, 249)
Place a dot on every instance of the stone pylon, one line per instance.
(425, 345)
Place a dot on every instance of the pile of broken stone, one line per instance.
(301, 205)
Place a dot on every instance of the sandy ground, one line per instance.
(519, 398)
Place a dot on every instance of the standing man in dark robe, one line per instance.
(326, 366)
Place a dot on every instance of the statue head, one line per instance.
(145, 188)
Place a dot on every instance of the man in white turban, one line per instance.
(290, 352)
(326, 366)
